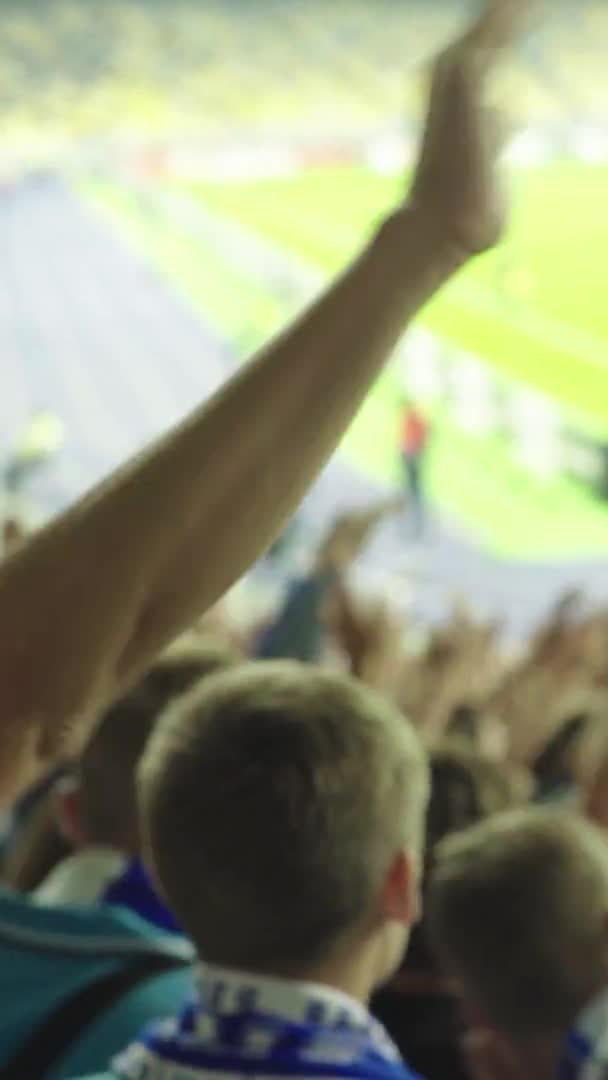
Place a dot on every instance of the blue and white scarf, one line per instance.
(585, 1054)
(99, 875)
(245, 1026)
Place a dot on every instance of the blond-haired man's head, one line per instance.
(285, 807)
(518, 909)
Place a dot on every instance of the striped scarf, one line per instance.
(585, 1055)
(245, 1026)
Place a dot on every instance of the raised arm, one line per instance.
(86, 604)
(298, 632)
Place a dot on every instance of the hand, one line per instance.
(455, 184)
(351, 532)
(370, 638)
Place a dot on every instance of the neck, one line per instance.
(352, 967)
(352, 979)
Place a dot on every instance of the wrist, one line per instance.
(417, 238)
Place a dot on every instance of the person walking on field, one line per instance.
(415, 434)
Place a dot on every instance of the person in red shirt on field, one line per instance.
(415, 433)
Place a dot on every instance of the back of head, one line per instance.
(465, 788)
(108, 766)
(276, 798)
(517, 909)
(418, 1008)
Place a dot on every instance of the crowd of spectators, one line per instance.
(505, 729)
(321, 845)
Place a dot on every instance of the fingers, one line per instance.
(497, 30)
(461, 71)
(352, 530)
(456, 178)
(499, 23)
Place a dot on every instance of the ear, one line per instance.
(68, 812)
(596, 798)
(401, 901)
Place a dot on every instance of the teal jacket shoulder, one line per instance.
(49, 954)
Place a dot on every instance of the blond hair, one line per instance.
(517, 909)
(275, 798)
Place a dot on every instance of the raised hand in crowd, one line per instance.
(298, 631)
(351, 532)
(370, 637)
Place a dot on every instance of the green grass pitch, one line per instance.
(536, 310)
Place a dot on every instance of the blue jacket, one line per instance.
(48, 953)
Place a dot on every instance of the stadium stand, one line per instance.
(133, 68)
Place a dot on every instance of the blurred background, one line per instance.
(177, 178)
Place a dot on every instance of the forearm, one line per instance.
(88, 602)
